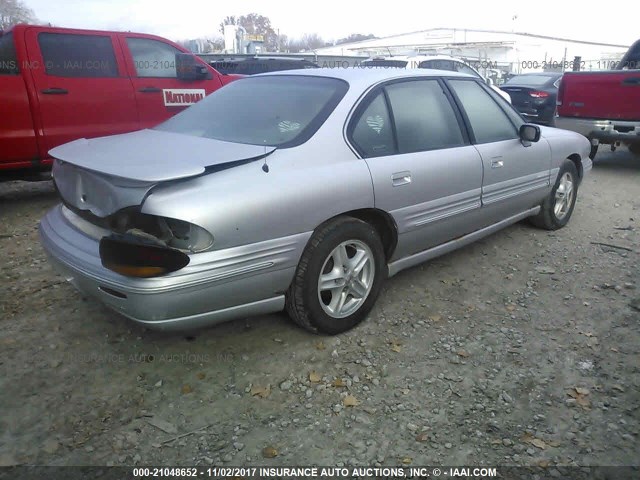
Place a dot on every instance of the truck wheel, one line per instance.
(635, 148)
(339, 277)
(557, 208)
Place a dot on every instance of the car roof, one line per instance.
(365, 76)
(416, 58)
(545, 74)
(262, 59)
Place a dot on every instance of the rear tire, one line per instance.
(339, 277)
(635, 149)
(557, 208)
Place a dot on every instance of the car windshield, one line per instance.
(385, 63)
(529, 80)
(276, 110)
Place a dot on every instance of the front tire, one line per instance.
(339, 277)
(557, 208)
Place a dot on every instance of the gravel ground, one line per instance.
(521, 349)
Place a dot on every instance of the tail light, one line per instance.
(539, 94)
(132, 256)
(560, 95)
(169, 232)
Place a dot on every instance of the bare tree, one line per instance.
(355, 37)
(229, 20)
(13, 12)
(311, 41)
(214, 44)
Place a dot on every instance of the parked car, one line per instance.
(261, 196)
(604, 106)
(255, 65)
(432, 62)
(59, 84)
(534, 95)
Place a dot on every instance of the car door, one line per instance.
(18, 146)
(159, 93)
(516, 173)
(424, 171)
(81, 84)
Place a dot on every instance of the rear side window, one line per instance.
(8, 58)
(373, 133)
(488, 121)
(153, 58)
(424, 117)
(70, 55)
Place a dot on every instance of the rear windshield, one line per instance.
(280, 110)
(530, 80)
(385, 63)
(8, 59)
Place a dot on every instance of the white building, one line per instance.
(511, 52)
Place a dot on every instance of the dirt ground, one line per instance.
(521, 349)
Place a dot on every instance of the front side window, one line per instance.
(71, 55)
(153, 58)
(8, 58)
(488, 121)
(372, 132)
(278, 110)
(424, 117)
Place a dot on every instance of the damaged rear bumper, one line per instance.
(217, 286)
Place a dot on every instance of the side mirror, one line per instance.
(529, 132)
(189, 69)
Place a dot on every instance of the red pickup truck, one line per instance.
(58, 85)
(603, 106)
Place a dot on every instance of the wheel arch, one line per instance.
(380, 220)
(577, 161)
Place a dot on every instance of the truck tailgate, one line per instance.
(614, 95)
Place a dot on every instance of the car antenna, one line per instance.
(265, 167)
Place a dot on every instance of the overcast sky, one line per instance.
(333, 19)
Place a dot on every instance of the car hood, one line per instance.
(104, 175)
(155, 156)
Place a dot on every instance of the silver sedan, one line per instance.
(301, 190)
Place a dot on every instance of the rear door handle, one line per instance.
(497, 162)
(55, 91)
(150, 90)
(631, 81)
(400, 178)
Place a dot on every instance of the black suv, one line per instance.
(253, 66)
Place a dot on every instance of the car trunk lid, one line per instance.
(106, 174)
(521, 95)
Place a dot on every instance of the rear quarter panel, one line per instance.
(303, 188)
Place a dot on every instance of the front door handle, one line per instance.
(497, 162)
(55, 91)
(150, 90)
(400, 178)
(631, 81)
